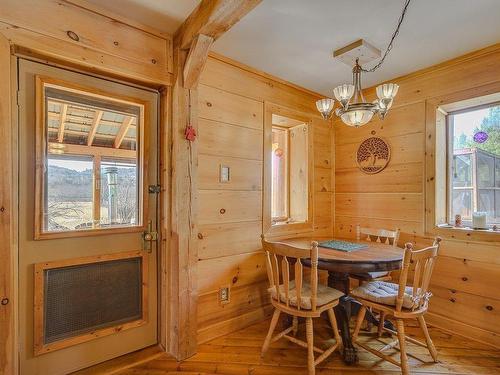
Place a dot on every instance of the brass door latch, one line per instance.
(149, 236)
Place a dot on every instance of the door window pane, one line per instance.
(69, 193)
(91, 148)
(119, 205)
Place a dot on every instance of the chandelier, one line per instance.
(354, 110)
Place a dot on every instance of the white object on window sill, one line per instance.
(479, 220)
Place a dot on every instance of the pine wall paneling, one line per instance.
(231, 122)
(40, 28)
(466, 278)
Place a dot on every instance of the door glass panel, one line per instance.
(119, 204)
(91, 151)
(69, 192)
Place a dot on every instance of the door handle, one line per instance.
(148, 237)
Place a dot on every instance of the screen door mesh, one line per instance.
(83, 298)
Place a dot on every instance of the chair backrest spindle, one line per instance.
(286, 279)
(374, 235)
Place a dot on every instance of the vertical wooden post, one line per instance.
(8, 363)
(192, 42)
(183, 242)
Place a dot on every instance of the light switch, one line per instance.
(224, 174)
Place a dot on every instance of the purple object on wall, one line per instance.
(480, 137)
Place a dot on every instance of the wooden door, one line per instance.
(87, 195)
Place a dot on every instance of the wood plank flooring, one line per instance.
(239, 353)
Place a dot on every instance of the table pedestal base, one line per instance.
(348, 307)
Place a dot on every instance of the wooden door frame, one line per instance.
(8, 215)
(9, 249)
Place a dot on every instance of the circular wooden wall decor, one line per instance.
(373, 155)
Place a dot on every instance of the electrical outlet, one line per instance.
(224, 295)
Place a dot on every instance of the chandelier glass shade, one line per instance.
(354, 110)
(325, 107)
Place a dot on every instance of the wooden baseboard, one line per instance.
(234, 324)
(462, 329)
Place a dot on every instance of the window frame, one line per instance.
(41, 152)
(286, 228)
(474, 188)
(436, 190)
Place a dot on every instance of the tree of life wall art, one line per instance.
(373, 155)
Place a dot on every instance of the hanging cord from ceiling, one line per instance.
(389, 47)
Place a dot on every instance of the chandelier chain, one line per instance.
(389, 47)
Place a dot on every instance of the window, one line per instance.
(90, 148)
(474, 163)
(289, 170)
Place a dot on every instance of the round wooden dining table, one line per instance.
(374, 257)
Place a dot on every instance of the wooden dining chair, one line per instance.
(401, 302)
(299, 298)
(390, 237)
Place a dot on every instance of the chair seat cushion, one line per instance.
(325, 295)
(386, 293)
(370, 275)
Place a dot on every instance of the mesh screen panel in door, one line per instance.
(82, 298)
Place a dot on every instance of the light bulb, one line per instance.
(357, 117)
(387, 91)
(325, 107)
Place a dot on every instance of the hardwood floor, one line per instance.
(239, 353)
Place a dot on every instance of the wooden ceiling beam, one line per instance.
(71, 149)
(196, 59)
(93, 129)
(123, 131)
(205, 24)
(62, 121)
(212, 18)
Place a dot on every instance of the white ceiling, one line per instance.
(294, 39)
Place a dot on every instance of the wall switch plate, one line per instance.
(224, 294)
(224, 173)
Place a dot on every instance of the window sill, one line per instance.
(466, 233)
(289, 229)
